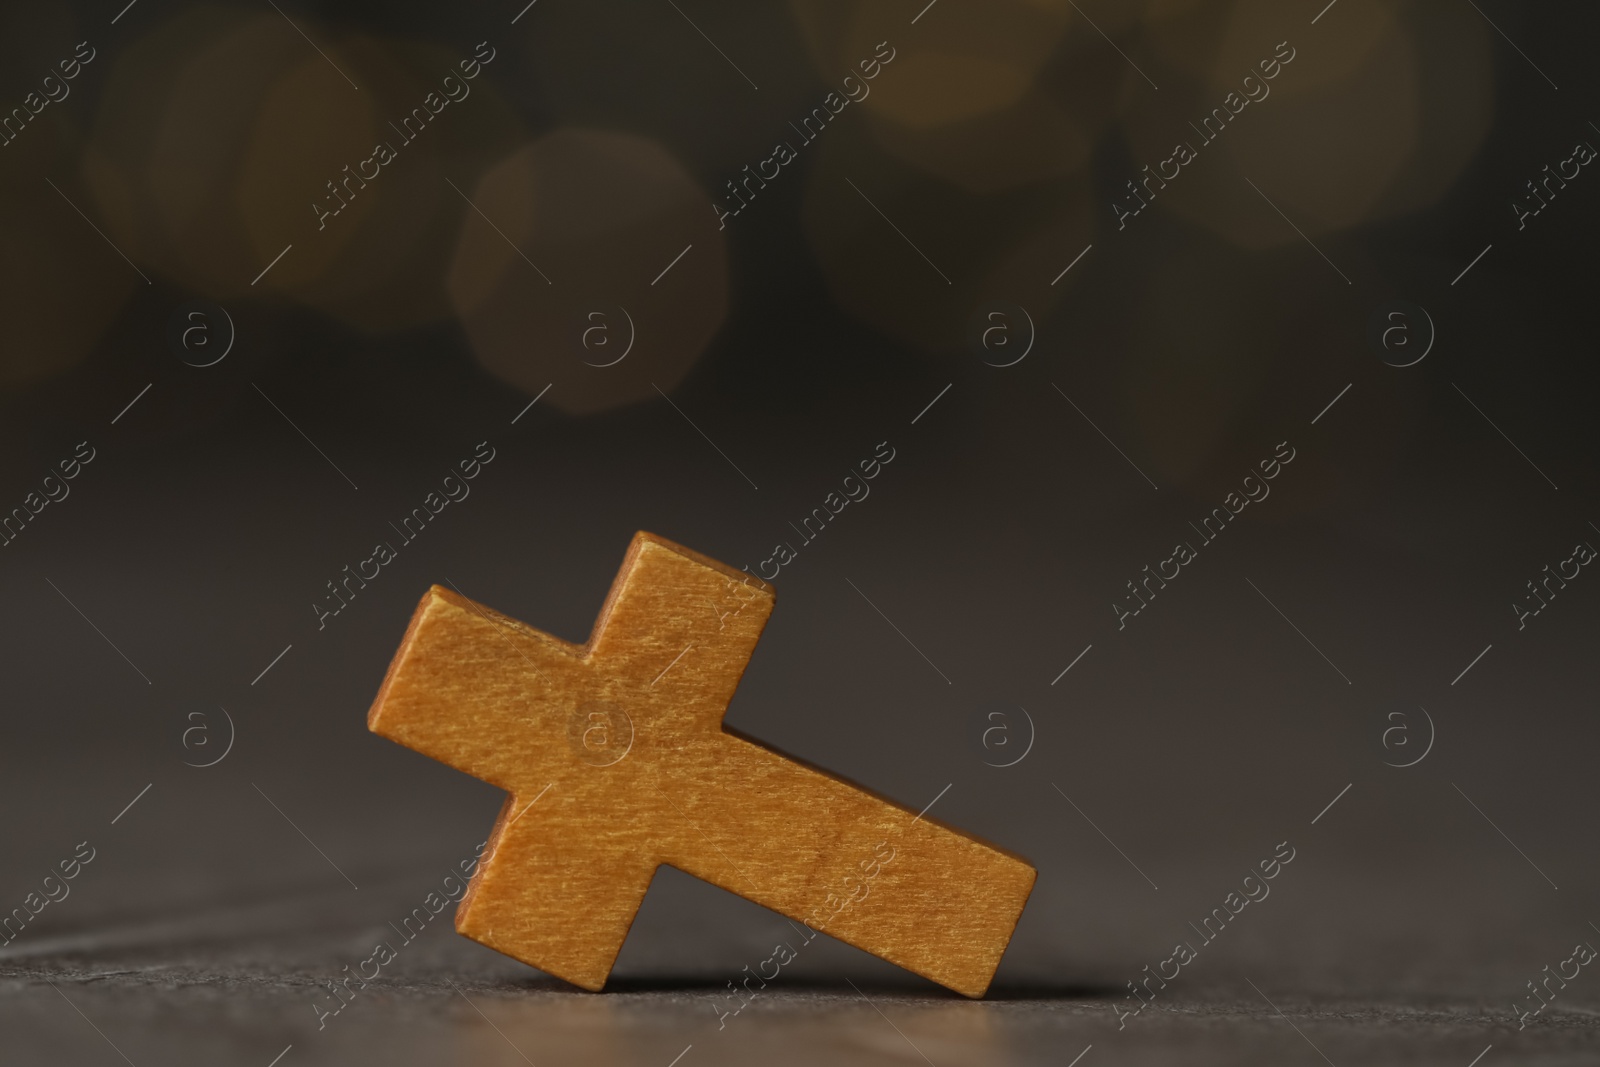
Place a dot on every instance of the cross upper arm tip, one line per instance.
(437, 591)
(644, 541)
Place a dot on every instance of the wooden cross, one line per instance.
(620, 742)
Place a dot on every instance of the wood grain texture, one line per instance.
(616, 762)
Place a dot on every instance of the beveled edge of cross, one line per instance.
(642, 539)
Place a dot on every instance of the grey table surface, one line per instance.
(159, 962)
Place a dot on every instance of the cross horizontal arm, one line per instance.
(844, 861)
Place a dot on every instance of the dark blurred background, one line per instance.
(951, 266)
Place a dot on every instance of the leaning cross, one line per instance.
(622, 738)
